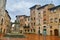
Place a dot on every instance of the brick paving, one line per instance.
(34, 37)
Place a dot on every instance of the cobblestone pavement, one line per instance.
(34, 37)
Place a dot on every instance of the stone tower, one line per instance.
(2, 13)
(3, 4)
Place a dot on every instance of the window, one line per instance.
(44, 26)
(31, 19)
(28, 19)
(31, 30)
(33, 11)
(25, 30)
(59, 20)
(44, 22)
(44, 11)
(28, 24)
(39, 13)
(2, 22)
(34, 18)
(28, 30)
(39, 23)
(34, 24)
(4, 31)
(39, 20)
(50, 26)
(25, 24)
(51, 20)
(25, 19)
(34, 30)
(39, 27)
(44, 14)
(20, 31)
(55, 20)
(1, 30)
(53, 11)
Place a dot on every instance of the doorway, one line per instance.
(51, 32)
(44, 32)
(38, 31)
(56, 32)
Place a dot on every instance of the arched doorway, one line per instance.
(44, 30)
(4, 31)
(56, 32)
(39, 30)
(51, 32)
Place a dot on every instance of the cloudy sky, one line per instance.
(21, 7)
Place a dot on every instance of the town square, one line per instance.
(29, 20)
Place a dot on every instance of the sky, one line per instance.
(21, 7)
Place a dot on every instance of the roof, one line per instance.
(34, 6)
(22, 15)
(27, 16)
(53, 8)
(44, 6)
(7, 14)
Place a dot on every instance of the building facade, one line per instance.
(34, 19)
(55, 22)
(4, 17)
(45, 20)
(24, 23)
(6, 25)
(20, 19)
(5, 22)
(27, 28)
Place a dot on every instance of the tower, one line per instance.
(3, 4)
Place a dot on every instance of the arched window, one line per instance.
(31, 30)
(25, 30)
(28, 30)
(1, 30)
(39, 27)
(59, 20)
(34, 30)
(20, 31)
(2, 21)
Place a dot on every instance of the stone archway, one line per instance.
(56, 32)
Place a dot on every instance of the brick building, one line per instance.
(45, 19)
